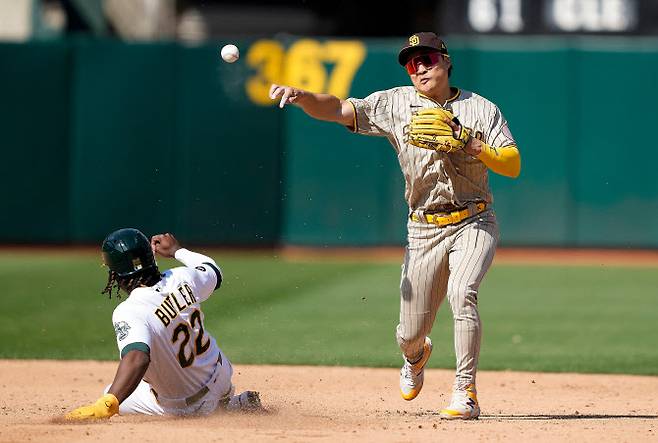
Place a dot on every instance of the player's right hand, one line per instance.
(165, 244)
(105, 407)
(288, 94)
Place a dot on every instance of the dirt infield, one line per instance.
(322, 404)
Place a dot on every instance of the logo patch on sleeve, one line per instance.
(201, 268)
(121, 329)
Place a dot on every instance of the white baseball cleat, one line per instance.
(246, 401)
(413, 374)
(464, 405)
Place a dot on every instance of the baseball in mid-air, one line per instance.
(230, 53)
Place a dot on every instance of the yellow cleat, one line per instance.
(413, 374)
(464, 405)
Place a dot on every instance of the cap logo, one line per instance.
(137, 264)
(414, 40)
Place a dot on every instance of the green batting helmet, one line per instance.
(127, 252)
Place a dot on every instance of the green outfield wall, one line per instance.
(100, 134)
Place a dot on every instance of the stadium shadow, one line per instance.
(566, 417)
(529, 417)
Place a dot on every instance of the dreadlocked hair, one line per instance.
(112, 283)
(147, 278)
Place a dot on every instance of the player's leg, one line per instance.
(470, 257)
(141, 401)
(422, 287)
(221, 395)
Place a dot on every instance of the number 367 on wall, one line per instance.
(309, 64)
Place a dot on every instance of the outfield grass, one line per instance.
(540, 318)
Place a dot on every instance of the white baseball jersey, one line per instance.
(166, 320)
(435, 180)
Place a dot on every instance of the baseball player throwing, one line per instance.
(170, 365)
(446, 140)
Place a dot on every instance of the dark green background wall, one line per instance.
(98, 135)
(34, 122)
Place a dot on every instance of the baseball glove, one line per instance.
(428, 130)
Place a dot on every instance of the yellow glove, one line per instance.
(428, 130)
(105, 407)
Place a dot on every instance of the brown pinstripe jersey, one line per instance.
(434, 179)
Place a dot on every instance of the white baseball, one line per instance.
(230, 53)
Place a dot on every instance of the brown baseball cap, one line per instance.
(421, 40)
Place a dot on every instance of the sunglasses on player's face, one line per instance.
(427, 60)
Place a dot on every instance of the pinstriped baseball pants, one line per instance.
(439, 261)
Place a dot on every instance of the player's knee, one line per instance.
(463, 299)
(409, 336)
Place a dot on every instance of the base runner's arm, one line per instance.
(130, 372)
(319, 106)
(167, 246)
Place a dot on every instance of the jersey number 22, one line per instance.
(199, 346)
